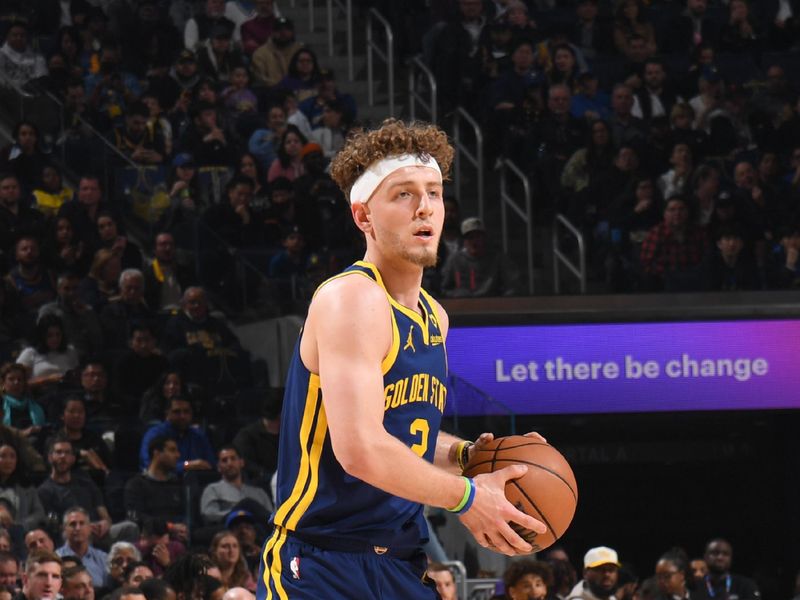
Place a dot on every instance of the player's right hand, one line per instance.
(488, 518)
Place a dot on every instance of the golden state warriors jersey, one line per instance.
(315, 496)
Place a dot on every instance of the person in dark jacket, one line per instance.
(205, 350)
(476, 270)
(234, 220)
(730, 267)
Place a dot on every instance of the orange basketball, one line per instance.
(547, 492)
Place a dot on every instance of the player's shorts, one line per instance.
(294, 570)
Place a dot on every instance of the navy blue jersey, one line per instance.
(315, 496)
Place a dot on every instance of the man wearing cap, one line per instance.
(290, 262)
(271, 59)
(600, 574)
(231, 492)
(590, 102)
(249, 533)
(138, 141)
(476, 270)
(186, 75)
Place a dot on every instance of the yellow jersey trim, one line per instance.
(303, 473)
(388, 361)
(433, 305)
(411, 314)
(275, 569)
(339, 276)
(394, 349)
(265, 560)
(320, 431)
(272, 572)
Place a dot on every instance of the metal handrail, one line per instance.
(347, 7)
(8, 83)
(560, 257)
(310, 15)
(462, 575)
(464, 583)
(525, 213)
(481, 589)
(60, 104)
(110, 146)
(87, 125)
(476, 159)
(415, 96)
(24, 95)
(388, 57)
(455, 383)
(241, 263)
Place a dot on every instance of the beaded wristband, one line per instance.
(467, 500)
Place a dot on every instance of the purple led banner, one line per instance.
(630, 367)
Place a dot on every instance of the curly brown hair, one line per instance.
(393, 137)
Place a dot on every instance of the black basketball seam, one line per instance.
(496, 450)
(510, 447)
(532, 464)
(541, 514)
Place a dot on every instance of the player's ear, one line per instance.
(361, 216)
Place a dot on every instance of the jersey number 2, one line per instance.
(421, 427)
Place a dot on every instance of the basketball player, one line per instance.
(360, 446)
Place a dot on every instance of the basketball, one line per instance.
(547, 492)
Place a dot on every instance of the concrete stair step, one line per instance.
(299, 15)
(379, 112)
(358, 88)
(338, 63)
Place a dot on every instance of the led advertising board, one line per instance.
(629, 367)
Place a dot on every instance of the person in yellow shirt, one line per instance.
(51, 192)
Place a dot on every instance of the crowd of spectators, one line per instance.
(552, 576)
(667, 131)
(221, 121)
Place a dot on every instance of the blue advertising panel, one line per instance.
(630, 367)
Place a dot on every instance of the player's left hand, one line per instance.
(486, 438)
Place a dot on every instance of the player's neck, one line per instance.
(401, 278)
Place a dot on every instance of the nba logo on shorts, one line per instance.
(294, 565)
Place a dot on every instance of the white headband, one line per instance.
(370, 179)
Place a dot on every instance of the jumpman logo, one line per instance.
(410, 340)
